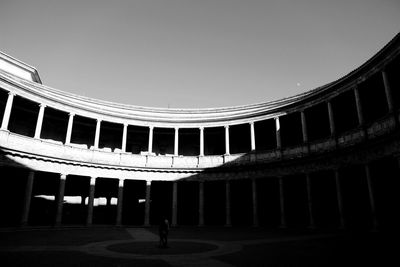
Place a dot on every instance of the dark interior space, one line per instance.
(111, 135)
(189, 142)
(373, 98)
(105, 212)
(265, 132)
(163, 141)
(241, 203)
(345, 112)
(83, 131)
(214, 141)
(188, 203)
(392, 70)
(12, 190)
(385, 175)
(77, 187)
(214, 202)
(23, 116)
(55, 123)
(356, 205)
(291, 130)
(3, 102)
(133, 202)
(268, 202)
(137, 139)
(296, 205)
(324, 199)
(43, 211)
(239, 138)
(317, 118)
(161, 202)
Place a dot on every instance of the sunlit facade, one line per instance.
(327, 158)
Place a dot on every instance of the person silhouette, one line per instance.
(163, 230)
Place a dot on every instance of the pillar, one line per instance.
(227, 203)
(255, 207)
(201, 141)
(201, 203)
(147, 204)
(150, 147)
(124, 136)
(282, 203)
(89, 218)
(227, 150)
(359, 107)
(174, 203)
(339, 199)
(331, 119)
(119, 204)
(60, 199)
(371, 197)
(39, 121)
(278, 133)
(69, 128)
(97, 135)
(252, 137)
(309, 201)
(176, 142)
(304, 127)
(27, 198)
(7, 111)
(388, 91)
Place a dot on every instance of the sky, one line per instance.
(194, 53)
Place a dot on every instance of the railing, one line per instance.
(81, 154)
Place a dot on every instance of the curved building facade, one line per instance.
(326, 158)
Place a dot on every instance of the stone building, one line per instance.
(327, 158)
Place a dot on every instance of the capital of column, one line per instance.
(12, 93)
(63, 176)
(93, 180)
(71, 114)
(41, 105)
(121, 182)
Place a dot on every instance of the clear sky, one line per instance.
(194, 53)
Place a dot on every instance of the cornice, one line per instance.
(167, 117)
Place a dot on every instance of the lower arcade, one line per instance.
(356, 196)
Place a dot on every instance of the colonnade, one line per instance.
(304, 130)
(201, 198)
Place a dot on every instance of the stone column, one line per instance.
(331, 119)
(39, 121)
(201, 141)
(97, 135)
(124, 137)
(282, 203)
(174, 203)
(89, 218)
(339, 199)
(252, 137)
(227, 150)
(388, 91)
(27, 198)
(150, 147)
(371, 197)
(228, 203)
(69, 128)
(60, 199)
(119, 204)
(147, 204)
(359, 107)
(309, 201)
(278, 133)
(176, 142)
(255, 207)
(201, 203)
(7, 111)
(304, 127)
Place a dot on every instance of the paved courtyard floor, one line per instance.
(206, 246)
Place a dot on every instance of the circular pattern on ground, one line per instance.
(152, 248)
